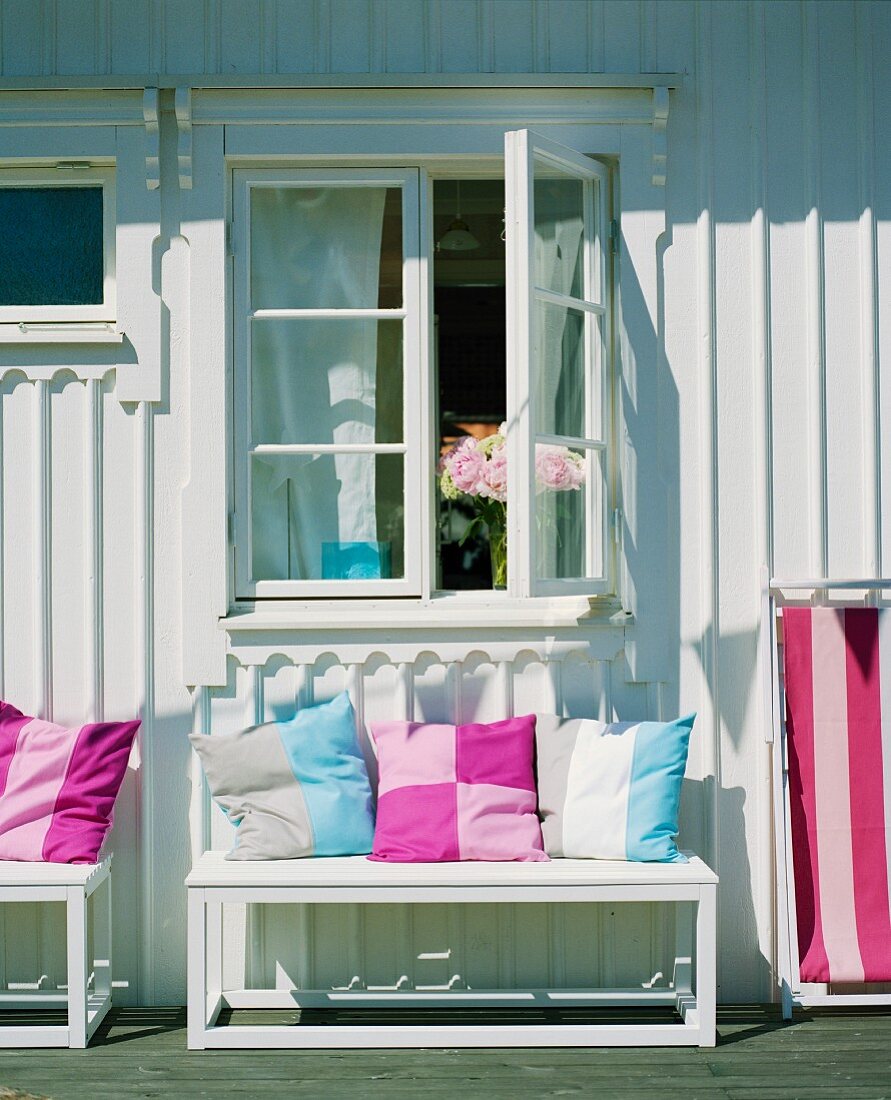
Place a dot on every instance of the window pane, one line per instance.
(569, 510)
(559, 231)
(329, 516)
(326, 247)
(326, 381)
(51, 249)
(559, 371)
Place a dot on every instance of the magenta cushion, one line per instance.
(58, 786)
(456, 792)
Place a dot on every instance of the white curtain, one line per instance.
(313, 380)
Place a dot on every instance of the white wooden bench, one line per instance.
(215, 882)
(88, 996)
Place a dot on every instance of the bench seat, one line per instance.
(215, 881)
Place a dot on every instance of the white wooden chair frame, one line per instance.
(73, 884)
(355, 880)
(794, 992)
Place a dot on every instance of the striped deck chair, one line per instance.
(832, 779)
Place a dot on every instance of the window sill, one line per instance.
(73, 332)
(450, 611)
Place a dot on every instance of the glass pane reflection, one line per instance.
(559, 231)
(568, 512)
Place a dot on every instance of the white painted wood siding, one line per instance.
(773, 414)
(81, 37)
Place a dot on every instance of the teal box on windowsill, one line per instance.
(355, 561)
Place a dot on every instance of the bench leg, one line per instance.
(214, 970)
(76, 921)
(102, 968)
(102, 939)
(706, 963)
(683, 957)
(205, 966)
(196, 948)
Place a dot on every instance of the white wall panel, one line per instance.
(735, 627)
(81, 37)
(406, 36)
(517, 31)
(184, 36)
(568, 31)
(23, 33)
(879, 34)
(129, 36)
(838, 167)
(240, 29)
(785, 140)
(68, 532)
(350, 32)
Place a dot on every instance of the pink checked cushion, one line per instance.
(58, 786)
(456, 792)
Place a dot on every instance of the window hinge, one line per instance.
(230, 528)
(614, 236)
(230, 240)
(617, 526)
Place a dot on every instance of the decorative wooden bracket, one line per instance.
(660, 144)
(183, 108)
(150, 111)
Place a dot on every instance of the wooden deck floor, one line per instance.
(142, 1053)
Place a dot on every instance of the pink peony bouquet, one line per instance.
(477, 468)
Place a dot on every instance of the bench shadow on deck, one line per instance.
(142, 1053)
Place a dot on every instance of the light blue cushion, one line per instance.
(294, 788)
(611, 791)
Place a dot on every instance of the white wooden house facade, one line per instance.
(744, 156)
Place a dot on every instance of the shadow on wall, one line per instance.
(742, 954)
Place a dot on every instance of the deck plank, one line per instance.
(141, 1053)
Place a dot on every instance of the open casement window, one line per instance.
(328, 471)
(57, 245)
(336, 383)
(558, 395)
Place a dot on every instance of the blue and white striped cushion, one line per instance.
(611, 791)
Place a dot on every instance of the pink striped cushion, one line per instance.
(58, 786)
(451, 793)
(838, 700)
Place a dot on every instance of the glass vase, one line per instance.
(498, 553)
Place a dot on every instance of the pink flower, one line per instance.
(495, 475)
(467, 465)
(558, 469)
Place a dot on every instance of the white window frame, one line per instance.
(420, 541)
(410, 182)
(522, 149)
(104, 311)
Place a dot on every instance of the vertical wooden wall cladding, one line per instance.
(772, 320)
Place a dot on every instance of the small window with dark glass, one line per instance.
(56, 246)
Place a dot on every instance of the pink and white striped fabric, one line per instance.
(58, 786)
(838, 720)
